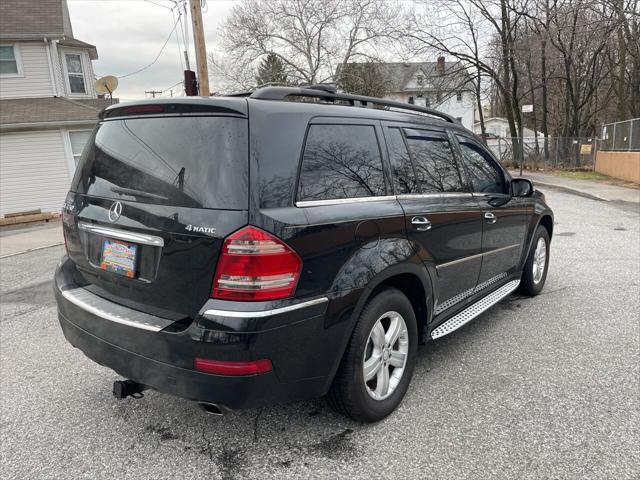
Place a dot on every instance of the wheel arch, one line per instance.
(547, 222)
(413, 281)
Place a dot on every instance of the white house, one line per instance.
(440, 85)
(499, 127)
(48, 104)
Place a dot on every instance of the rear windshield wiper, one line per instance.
(137, 193)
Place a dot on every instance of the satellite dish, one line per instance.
(106, 85)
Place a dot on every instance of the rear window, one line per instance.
(198, 162)
(341, 161)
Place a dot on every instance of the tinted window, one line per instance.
(341, 161)
(484, 175)
(435, 164)
(188, 161)
(403, 174)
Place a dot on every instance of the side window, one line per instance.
(484, 175)
(435, 164)
(341, 161)
(8, 60)
(75, 73)
(404, 177)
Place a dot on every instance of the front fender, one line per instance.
(541, 212)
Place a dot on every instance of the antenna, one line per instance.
(107, 85)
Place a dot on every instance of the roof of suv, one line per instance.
(315, 100)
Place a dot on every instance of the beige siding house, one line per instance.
(48, 104)
(441, 85)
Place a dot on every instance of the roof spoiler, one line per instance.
(328, 93)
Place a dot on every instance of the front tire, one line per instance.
(378, 364)
(537, 264)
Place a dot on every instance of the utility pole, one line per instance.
(201, 50)
(153, 92)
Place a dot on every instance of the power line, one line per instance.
(157, 56)
(158, 4)
(174, 85)
(178, 38)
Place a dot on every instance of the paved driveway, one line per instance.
(534, 388)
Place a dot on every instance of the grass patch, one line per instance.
(593, 176)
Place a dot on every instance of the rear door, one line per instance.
(151, 202)
(504, 216)
(441, 216)
(353, 220)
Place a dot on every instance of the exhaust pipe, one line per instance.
(128, 388)
(213, 409)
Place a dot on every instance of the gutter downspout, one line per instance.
(54, 87)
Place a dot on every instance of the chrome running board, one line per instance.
(472, 311)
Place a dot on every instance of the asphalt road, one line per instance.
(537, 388)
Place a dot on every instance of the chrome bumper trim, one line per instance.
(103, 308)
(264, 313)
(126, 235)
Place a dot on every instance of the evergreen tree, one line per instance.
(272, 71)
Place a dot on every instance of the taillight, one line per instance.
(255, 265)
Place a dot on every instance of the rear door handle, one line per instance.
(421, 223)
(490, 217)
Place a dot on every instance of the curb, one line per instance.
(574, 191)
(31, 250)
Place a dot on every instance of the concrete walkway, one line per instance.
(23, 239)
(584, 188)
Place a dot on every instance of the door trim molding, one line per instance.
(477, 255)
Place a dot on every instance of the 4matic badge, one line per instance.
(197, 229)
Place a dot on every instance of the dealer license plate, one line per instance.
(119, 257)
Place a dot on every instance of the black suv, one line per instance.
(287, 244)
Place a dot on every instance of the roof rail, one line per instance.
(281, 93)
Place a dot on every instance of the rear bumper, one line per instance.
(304, 351)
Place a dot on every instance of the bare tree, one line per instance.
(368, 78)
(455, 28)
(232, 76)
(311, 37)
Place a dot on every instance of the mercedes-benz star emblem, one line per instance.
(115, 211)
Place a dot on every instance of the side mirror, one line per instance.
(521, 187)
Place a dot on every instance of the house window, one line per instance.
(411, 101)
(78, 139)
(420, 80)
(427, 101)
(459, 96)
(75, 73)
(8, 60)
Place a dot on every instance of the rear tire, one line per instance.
(386, 357)
(537, 264)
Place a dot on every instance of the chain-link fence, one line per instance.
(621, 136)
(546, 152)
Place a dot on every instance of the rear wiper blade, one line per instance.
(137, 193)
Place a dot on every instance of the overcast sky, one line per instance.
(129, 35)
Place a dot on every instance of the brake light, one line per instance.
(235, 369)
(144, 109)
(255, 265)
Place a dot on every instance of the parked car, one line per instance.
(287, 244)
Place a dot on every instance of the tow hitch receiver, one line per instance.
(128, 388)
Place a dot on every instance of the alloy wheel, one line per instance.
(539, 260)
(385, 355)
